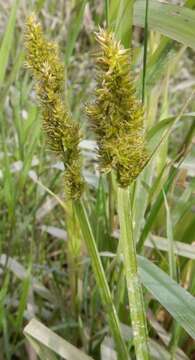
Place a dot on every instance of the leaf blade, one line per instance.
(7, 41)
(47, 338)
(176, 300)
(171, 20)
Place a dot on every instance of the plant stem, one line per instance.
(73, 253)
(101, 280)
(134, 289)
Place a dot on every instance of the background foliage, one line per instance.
(44, 275)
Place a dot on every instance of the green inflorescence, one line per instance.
(116, 114)
(63, 134)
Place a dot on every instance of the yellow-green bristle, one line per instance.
(116, 114)
(63, 134)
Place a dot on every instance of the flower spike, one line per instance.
(116, 115)
(63, 134)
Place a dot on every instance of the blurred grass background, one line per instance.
(45, 275)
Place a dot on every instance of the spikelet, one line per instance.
(116, 115)
(63, 134)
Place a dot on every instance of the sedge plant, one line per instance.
(117, 119)
(63, 135)
(165, 187)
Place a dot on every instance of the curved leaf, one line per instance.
(173, 21)
(175, 299)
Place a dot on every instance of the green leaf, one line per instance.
(162, 125)
(157, 351)
(157, 63)
(6, 44)
(155, 209)
(74, 28)
(180, 248)
(175, 299)
(23, 301)
(101, 225)
(46, 343)
(174, 21)
(171, 243)
(101, 279)
(121, 19)
(21, 273)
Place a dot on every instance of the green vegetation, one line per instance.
(97, 265)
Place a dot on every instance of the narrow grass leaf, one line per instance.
(101, 280)
(171, 244)
(20, 272)
(157, 351)
(74, 28)
(173, 21)
(46, 338)
(158, 60)
(175, 299)
(157, 63)
(121, 20)
(155, 209)
(180, 248)
(11, 77)
(155, 133)
(101, 218)
(42, 351)
(7, 41)
(23, 301)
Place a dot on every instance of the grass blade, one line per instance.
(74, 28)
(23, 301)
(101, 279)
(7, 41)
(121, 13)
(47, 343)
(180, 248)
(171, 248)
(173, 21)
(155, 209)
(176, 300)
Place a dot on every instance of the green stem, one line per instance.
(134, 289)
(101, 280)
(73, 252)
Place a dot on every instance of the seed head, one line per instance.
(116, 115)
(63, 134)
